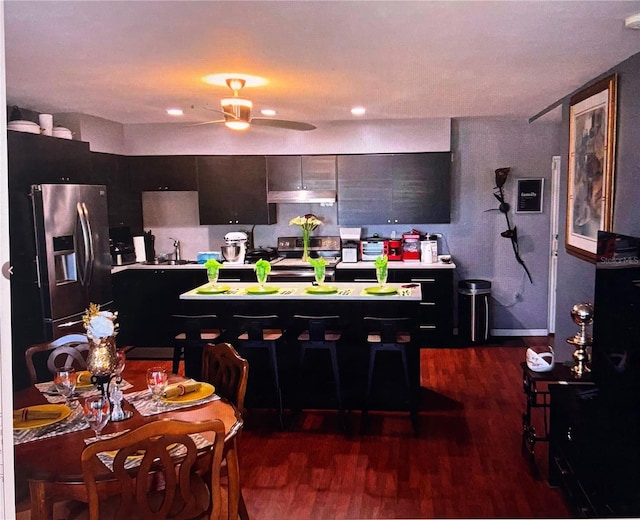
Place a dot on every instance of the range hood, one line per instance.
(301, 196)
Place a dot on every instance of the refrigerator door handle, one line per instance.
(83, 215)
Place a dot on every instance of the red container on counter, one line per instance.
(411, 247)
(395, 250)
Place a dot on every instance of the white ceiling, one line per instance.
(127, 61)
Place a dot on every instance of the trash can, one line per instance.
(473, 311)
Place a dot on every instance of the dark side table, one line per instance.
(536, 390)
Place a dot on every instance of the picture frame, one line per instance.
(530, 195)
(590, 180)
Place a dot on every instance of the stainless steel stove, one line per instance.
(290, 267)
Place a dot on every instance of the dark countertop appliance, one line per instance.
(291, 268)
(261, 253)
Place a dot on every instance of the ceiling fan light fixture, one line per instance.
(237, 112)
(236, 124)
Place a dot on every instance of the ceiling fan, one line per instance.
(237, 112)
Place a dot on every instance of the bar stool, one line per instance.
(193, 333)
(389, 335)
(321, 333)
(263, 332)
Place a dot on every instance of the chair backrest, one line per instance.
(193, 325)
(388, 328)
(227, 371)
(165, 447)
(318, 326)
(255, 326)
(67, 351)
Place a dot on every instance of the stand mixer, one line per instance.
(235, 247)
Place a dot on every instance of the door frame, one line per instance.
(553, 242)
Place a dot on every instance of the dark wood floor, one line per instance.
(466, 463)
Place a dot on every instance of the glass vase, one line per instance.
(102, 358)
(305, 245)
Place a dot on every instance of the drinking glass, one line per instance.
(122, 358)
(319, 273)
(65, 382)
(381, 275)
(157, 379)
(212, 275)
(96, 412)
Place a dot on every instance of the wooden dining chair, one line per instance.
(192, 333)
(67, 351)
(131, 492)
(228, 372)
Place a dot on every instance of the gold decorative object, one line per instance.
(102, 359)
(582, 314)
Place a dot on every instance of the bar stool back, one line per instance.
(263, 332)
(193, 332)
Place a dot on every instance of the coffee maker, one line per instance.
(235, 248)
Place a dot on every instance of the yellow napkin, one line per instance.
(25, 415)
(181, 389)
(83, 378)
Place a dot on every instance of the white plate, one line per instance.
(24, 126)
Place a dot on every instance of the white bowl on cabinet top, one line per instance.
(24, 126)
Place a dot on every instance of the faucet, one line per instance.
(176, 249)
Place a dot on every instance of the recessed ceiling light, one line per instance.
(221, 78)
(358, 111)
(268, 112)
(175, 111)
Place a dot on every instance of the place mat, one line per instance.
(143, 403)
(178, 450)
(262, 289)
(345, 292)
(75, 422)
(48, 389)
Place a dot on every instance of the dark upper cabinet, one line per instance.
(422, 188)
(394, 188)
(306, 172)
(124, 204)
(232, 189)
(163, 173)
(41, 159)
(365, 189)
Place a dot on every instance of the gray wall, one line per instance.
(473, 237)
(575, 276)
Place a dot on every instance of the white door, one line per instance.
(553, 242)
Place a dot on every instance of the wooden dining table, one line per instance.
(52, 465)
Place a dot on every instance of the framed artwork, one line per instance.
(530, 192)
(592, 133)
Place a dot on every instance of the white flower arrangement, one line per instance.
(99, 324)
(307, 223)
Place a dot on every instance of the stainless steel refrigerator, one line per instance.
(73, 258)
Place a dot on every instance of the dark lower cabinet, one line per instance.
(146, 298)
(593, 452)
(435, 318)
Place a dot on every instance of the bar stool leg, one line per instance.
(177, 354)
(276, 378)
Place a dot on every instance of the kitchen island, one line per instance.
(352, 303)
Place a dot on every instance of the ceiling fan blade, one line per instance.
(206, 123)
(281, 123)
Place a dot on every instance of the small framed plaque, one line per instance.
(530, 193)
